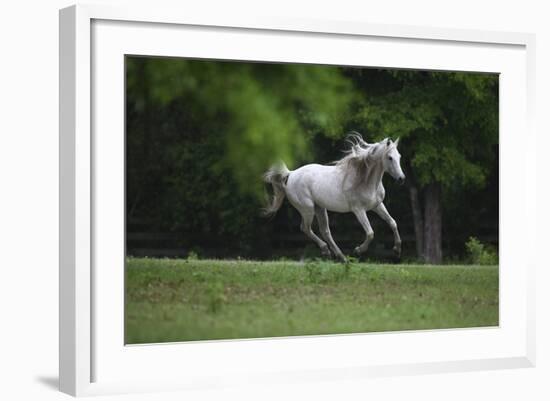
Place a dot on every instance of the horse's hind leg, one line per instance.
(322, 219)
(307, 219)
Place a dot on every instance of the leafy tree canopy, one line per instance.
(449, 121)
(201, 133)
(260, 112)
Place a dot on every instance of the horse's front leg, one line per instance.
(381, 211)
(364, 221)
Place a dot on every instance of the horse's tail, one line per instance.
(277, 176)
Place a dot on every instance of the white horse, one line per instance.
(351, 184)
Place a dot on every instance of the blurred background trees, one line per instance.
(449, 126)
(200, 134)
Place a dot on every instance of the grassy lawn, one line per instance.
(181, 300)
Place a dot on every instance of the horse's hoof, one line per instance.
(357, 251)
(397, 251)
(396, 256)
(326, 255)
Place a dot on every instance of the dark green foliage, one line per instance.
(228, 110)
(448, 122)
(200, 134)
(481, 254)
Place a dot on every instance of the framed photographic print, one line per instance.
(272, 200)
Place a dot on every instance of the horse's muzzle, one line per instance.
(401, 180)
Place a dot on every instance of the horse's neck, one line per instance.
(374, 177)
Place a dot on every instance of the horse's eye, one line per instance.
(390, 158)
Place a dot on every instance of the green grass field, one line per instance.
(182, 300)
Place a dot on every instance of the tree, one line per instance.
(448, 123)
(201, 133)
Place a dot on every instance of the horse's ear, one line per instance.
(396, 142)
(388, 142)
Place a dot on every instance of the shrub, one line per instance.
(481, 254)
(192, 255)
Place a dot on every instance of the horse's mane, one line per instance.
(361, 156)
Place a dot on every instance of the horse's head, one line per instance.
(362, 157)
(391, 161)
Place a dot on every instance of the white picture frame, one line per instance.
(92, 38)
